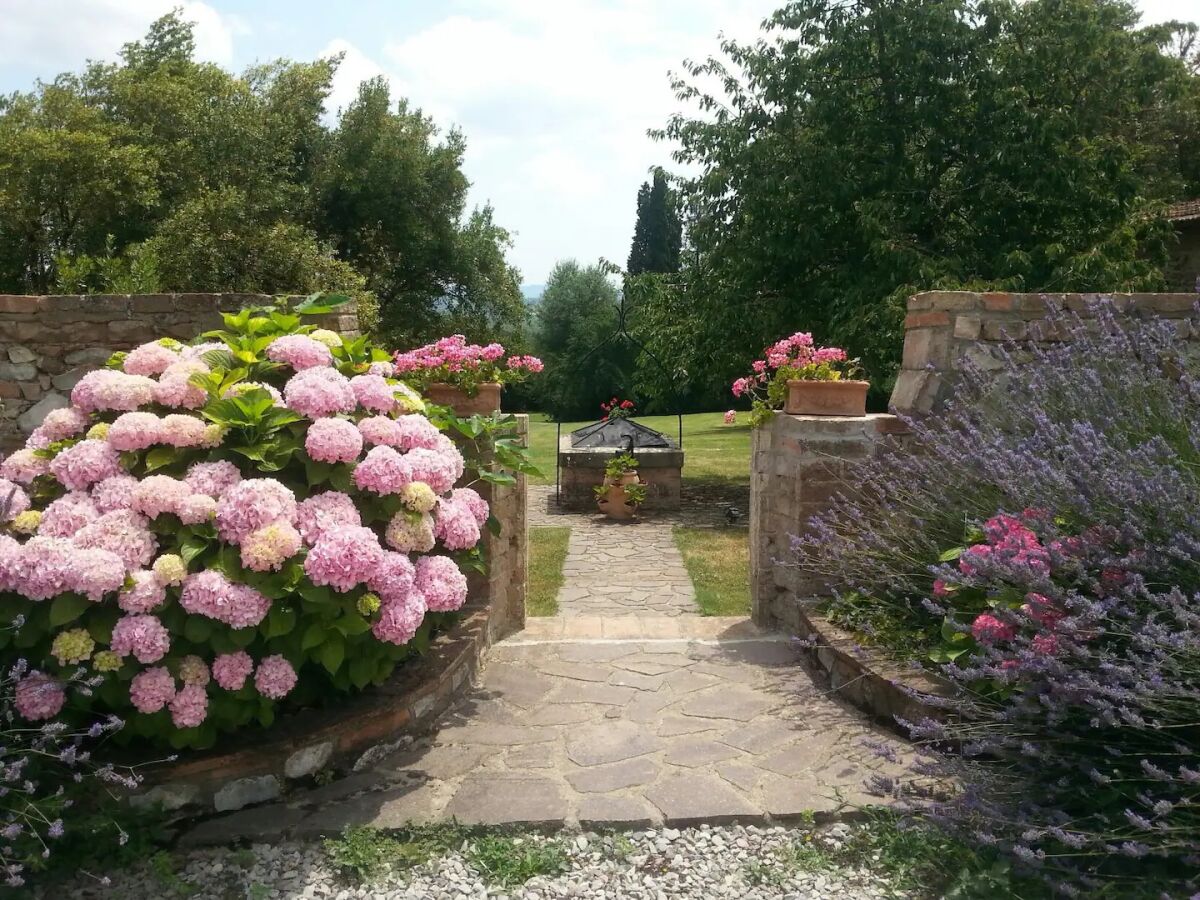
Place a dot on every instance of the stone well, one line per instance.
(582, 469)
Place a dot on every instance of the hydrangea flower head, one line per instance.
(143, 636)
(299, 351)
(152, 689)
(440, 583)
(189, 707)
(251, 504)
(80, 466)
(325, 511)
(170, 569)
(410, 533)
(150, 359)
(344, 558)
(72, 647)
(275, 677)
(38, 697)
(145, 594)
(212, 478)
(268, 548)
(319, 392)
(230, 670)
(333, 440)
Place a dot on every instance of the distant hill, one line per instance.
(533, 292)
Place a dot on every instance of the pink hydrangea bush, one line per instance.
(209, 536)
(451, 360)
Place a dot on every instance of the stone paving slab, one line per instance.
(716, 729)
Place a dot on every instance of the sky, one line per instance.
(554, 97)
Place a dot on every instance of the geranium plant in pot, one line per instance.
(803, 380)
(465, 377)
(622, 491)
(617, 409)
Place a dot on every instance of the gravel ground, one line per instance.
(666, 864)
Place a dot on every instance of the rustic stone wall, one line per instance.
(943, 328)
(48, 343)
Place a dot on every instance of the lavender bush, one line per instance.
(1042, 536)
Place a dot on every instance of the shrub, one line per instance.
(214, 528)
(1066, 620)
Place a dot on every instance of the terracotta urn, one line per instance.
(826, 398)
(614, 501)
(484, 403)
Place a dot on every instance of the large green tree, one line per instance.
(865, 149)
(576, 325)
(159, 172)
(658, 232)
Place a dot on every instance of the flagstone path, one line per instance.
(628, 709)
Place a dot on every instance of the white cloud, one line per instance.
(55, 35)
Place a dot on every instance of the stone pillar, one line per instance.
(799, 464)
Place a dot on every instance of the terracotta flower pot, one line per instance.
(614, 503)
(826, 398)
(484, 403)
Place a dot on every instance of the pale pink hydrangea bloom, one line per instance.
(210, 593)
(381, 430)
(38, 697)
(149, 359)
(437, 468)
(10, 563)
(196, 508)
(114, 493)
(230, 670)
(13, 498)
(319, 392)
(142, 635)
(125, 533)
(470, 498)
(61, 424)
(170, 569)
(144, 595)
(135, 431)
(38, 440)
(455, 525)
(333, 440)
(189, 708)
(251, 504)
(152, 690)
(275, 677)
(322, 512)
(212, 478)
(419, 497)
(373, 393)
(23, 466)
(45, 568)
(299, 351)
(383, 471)
(108, 389)
(66, 515)
(193, 670)
(268, 548)
(440, 582)
(410, 533)
(158, 494)
(179, 430)
(386, 369)
(400, 619)
(393, 577)
(96, 572)
(80, 466)
(344, 558)
(418, 432)
(175, 389)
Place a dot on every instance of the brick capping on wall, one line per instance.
(362, 728)
(943, 328)
(48, 343)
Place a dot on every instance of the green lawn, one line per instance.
(547, 553)
(713, 451)
(718, 561)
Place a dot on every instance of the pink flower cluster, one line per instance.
(230, 670)
(210, 593)
(344, 558)
(299, 351)
(459, 518)
(795, 352)
(142, 635)
(150, 359)
(139, 430)
(449, 356)
(44, 567)
(38, 697)
(275, 677)
(324, 512)
(319, 392)
(85, 463)
(440, 583)
(333, 441)
(108, 389)
(253, 504)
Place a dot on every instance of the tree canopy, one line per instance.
(159, 172)
(658, 233)
(865, 149)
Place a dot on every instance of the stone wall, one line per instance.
(581, 470)
(48, 343)
(944, 327)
